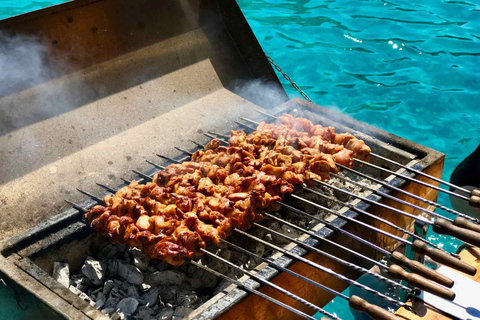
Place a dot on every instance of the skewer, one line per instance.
(396, 257)
(242, 285)
(315, 265)
(417, 246)
(459, 221)
(270, 284)
(258, 293)
(325, 269)
(394, 270)
(471, 193)
(388, 223)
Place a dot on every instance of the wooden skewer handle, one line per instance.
(396, 272)
(464, 223)
(443, 258)
(421, 269)
(373, 311)
(445, 227)
(475, 198)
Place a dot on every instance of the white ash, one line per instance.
(61, 273)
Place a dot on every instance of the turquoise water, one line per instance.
(408, 67)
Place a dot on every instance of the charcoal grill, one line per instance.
(183, 69)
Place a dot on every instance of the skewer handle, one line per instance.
(464, 223)
(418, 281)
(475, 198)
(373, 311)
(448, 228)
(439, 256)
(420, 269)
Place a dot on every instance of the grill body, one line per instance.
(169, 70)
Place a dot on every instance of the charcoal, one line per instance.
(61, 273)
(144, 287)
(168, 293)
(145, 313)
(132, 292)
(94, 270)
(166, 278)
(127, 306)
(150, 297)
(192, 283)
(108, 311)
(140, 259)
(181, 312)
(165, 314)
(112, 269)
(130, 273)
(99, 303)
(107, 287)
(107, 252)
(186, 298)
(221, 286)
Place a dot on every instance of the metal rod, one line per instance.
(258, 293)
(330, 225)
(385, 195)
(106, 188)
(245, 126)
(425, 184)
(330, 256)
(167, 158)
(155, 165)
(198, 144)
(274, 264)
(421, 173)
(213, 137)
(366, 225)
(268, 283)
(388, 223)
(412, 195)
(412, 216)
(326, 270)
(143, 175)
(184, 151)
(219, 134)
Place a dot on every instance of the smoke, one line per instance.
(23, 61)
(265, 95)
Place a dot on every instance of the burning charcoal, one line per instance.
(169, 277)
(181, 312)
(61, 273)
(130, 273)
(186, 298)
(191, 269)
(107, 252)
(259, 249)
(168, 292)
(107, 287)
(162, 265)
(149, 298)
(165, 314)
(140, 259)
(238, 258)
(94, 270)
(127, 306)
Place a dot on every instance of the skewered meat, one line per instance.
(222, 188)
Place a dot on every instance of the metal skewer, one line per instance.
(270, 284)
(409, 194)
(417, 246)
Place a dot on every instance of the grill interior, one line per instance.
(72, 241)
